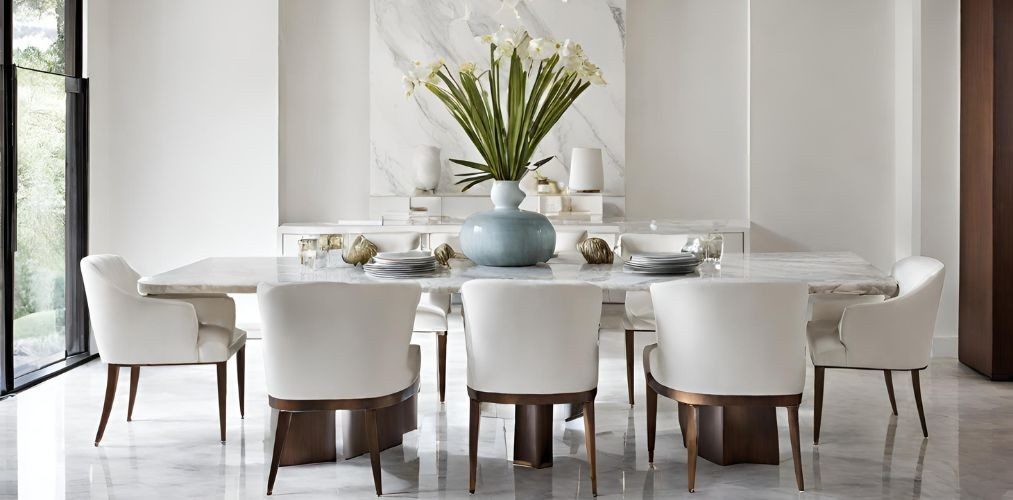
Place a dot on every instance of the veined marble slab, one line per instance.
(402, 31)
(825, 272)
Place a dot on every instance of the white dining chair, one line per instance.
(134, 330)
(727, 343)
(638, 313)
(338, 346)
(433, 308)
(531, 343)
(891, 335)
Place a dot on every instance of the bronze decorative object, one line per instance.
(443, 254)
(596, 251)
(361, 251)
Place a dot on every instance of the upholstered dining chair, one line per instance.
(338, 346)
(891, 335)
(433, 308)
(134, 330)
(727, 343)
(638, 315)
(531, 343)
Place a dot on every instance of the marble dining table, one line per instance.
(312, 436)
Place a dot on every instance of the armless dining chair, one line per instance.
(433, 308)
(338, 346)
(531, 343)
(727, 343)
(134, 330)
(638, 314)
(891, 335)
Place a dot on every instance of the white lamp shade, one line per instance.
(586, 170)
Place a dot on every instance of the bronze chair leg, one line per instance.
(889, 390)
(629, 364)
(916, 383)
(280, 433)
(441, 364)
(796, 452)
(589, 442)
(374, 449)
(693, 431)
(135, 376)
(473, 423)
(818, 403)
(112, 377)
(652, 421)
(241, 377)
(222, 379)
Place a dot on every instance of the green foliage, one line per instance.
(52, 58)
(506, 128)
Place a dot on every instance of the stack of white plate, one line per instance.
(401, 265)
(662, 263)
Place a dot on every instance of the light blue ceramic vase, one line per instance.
(507, 236)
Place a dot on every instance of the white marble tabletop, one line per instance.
(825, 272)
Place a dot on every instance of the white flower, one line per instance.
(430, 72)
(571, 55)
(467, 67)
(591, 72)
(408, 82)
(484, 39)
(542, 48)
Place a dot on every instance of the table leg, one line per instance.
(310, 439)
(392, 423)
(533, 436)
(736, 434)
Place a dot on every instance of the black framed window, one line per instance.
(43, 190)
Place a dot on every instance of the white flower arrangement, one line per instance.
(543, 78)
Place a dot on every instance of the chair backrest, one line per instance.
(566, 241)
(897, 333)
(395, 242)
(531, 337)
(130, 328)
(730, 337)
(634, 243)
(337, 340)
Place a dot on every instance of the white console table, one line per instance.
(735, 232)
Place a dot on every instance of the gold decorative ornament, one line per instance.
(361, 251)
(596, 251)
(443, 254)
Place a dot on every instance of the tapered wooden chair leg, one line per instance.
(441, 364)
(241, 379)
(652, 421)
(818, 403)
(280, 433)
(222, 379)
(374, 449)
(916, 383)
(589, 442)
(796, 451)
(888, 376)
(693, 432)
(629, 364)
(135, 376)
(473, 423)
(112, 377)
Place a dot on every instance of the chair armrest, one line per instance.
(211, 309)
(894, 334)
(142, 330)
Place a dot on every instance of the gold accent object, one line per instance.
(596, 251)
(443, 254)
(361, 251)
(335, 241)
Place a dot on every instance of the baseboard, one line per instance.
(944, 346)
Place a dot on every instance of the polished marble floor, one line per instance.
(171, 449)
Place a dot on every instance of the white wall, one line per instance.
(324, 110)
(821, 157)
(687, 99)
(940, 155)
(184, 120)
